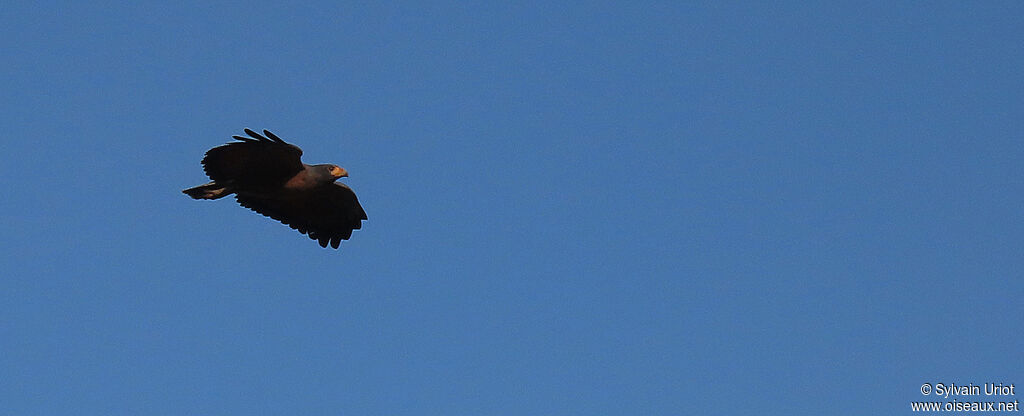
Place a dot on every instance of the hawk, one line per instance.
(267, 176)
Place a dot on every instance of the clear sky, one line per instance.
(629, 208)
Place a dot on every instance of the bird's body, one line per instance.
(267, 176)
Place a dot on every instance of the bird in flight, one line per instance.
(267, 176)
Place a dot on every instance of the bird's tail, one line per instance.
(212, 190)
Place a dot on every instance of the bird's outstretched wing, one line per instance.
(254, 161)
(327, 214)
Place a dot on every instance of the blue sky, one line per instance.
(574, 208)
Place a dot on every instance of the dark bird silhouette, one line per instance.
(267, 176)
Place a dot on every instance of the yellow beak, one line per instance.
(339, 172)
